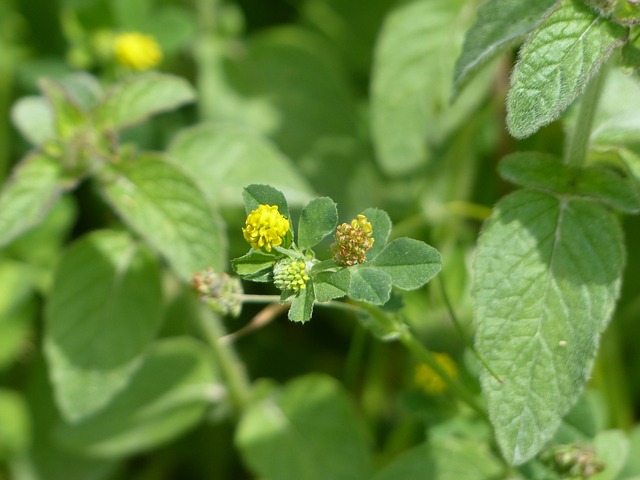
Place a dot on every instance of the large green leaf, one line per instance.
(223, 159)
(556, 63)
(411, 79)
(161, 203)
(307, 432)
(137, 98)
(410, 263)
(547, 276)
(34, 187)
(435, 461)
(499, 26)
(104, 310)
(168, 394)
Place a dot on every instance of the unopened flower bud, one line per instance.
(290, 275)
(220, 291)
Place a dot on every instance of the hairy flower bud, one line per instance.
(265, 227)
(352, 241)
(575, 460)
(222, 292)
(290, 275)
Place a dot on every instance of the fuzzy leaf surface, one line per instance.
(162, 204)
(309, 431)
(134, 100)
(104, 310)
(499, 26)
(540, 309)
(34, 187)
(556, 63)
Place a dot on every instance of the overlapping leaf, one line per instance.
(105, 308)
(556, 63)
(157, 200)
(547, 276)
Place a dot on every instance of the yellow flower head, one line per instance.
(266, 227)
(427, 379)
(137, 51)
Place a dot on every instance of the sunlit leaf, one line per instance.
(547, 277)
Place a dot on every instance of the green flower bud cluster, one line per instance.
(222, 292)
(290, 275)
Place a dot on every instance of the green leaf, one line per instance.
(17, 309)
(548, 173)
(302, 305)
(317, 220)
(104, 310)
(617, 121)
(139, 97)
(450, 459)
(34, 187)
(408, 66)
(224, 158)
(157, 200)
(370, 285)
(556, 63)
(381, 224)
(307, 432)
(540, 309)
(47, 459)
(255, 265)
(410, 263)
(168, 394)
(68, 116)
(612, 448)
(256, 195)
(500, 25)
(14, 424)
(34, 119)
(411, 78)
(330, 285)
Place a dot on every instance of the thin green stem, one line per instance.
(578, 143)
(461, 332)
(231, 367)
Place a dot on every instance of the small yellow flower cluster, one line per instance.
(352, 241)
(290, 274)
(427, 379)
(265, 227)
(137, 51)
